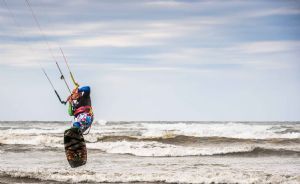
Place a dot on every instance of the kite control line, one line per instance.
(49, 49)
(62, 77)
(72, 77)
(62, 102)
(45, 39)
(27, 43)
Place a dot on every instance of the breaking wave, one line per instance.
(169, 139)
(162, 148)
(156, 149)
(257, 151)
(191, 140)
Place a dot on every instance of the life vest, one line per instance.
(82, 109)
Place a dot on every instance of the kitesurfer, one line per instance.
(80, 107)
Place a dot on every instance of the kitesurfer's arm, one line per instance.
(72, 103)
(74, 95)
(79, 97)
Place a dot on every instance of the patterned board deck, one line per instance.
(75, 147)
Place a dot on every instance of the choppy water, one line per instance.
(155, 152)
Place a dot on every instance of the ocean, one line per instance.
(154, 152)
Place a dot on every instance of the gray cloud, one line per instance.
(192, 55)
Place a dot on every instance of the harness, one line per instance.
(87, 109)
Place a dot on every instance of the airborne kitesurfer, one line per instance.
(80, 107)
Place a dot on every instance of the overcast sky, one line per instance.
(154, 60)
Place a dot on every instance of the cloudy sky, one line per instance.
(154, 60)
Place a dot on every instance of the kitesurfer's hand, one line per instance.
(75, 95)
(75, 91)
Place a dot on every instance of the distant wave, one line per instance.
(258, 151)
(159, 149)
(224, 129)
(50, 139)
(154, 129)
(191, 140)
(167, 145)
(158, 139)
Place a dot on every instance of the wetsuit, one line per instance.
(81, 108)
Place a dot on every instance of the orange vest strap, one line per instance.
(86, 109)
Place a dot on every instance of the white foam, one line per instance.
(43, 140)
(160, 149)
(156, 149)
(231, 130)
(47, 134)
(100, 122)
(204, 175)
(33, 131)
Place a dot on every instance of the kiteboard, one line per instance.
(75, 147)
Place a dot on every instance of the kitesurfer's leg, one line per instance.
(83, 121)
(77, 125)
(80, 126)
(87, 123)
